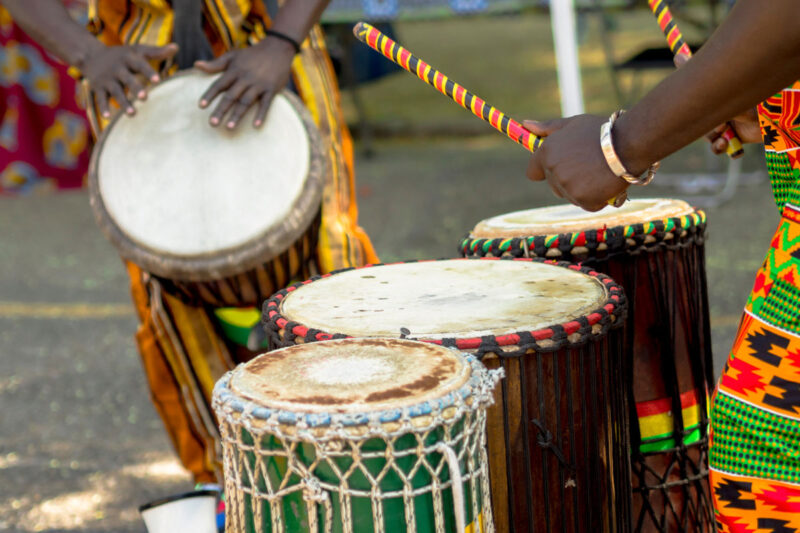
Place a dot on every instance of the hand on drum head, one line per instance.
(117, 71)
(571, 161)
(251, 77)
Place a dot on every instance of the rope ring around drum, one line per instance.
(594, 325)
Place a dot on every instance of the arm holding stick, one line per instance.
(752, 55)
(682, 53)
(382, 44)
(496, 118)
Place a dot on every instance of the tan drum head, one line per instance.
(444, 299)
(188, 201)
(351, 376)
(571, 219)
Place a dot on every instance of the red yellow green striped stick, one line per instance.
(679, 47)
(396, 53)
(379, 42)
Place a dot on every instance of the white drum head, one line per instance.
(440, 299)
(571, 219)
(350, 375)
(174, 187)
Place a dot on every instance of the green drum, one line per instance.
(356, 435)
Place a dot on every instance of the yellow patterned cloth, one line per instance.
(181, 346)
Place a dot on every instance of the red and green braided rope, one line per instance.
(479, 246)
(405, 59)
(678, 46)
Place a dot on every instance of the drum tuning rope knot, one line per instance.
(545, 441)
(312, 490)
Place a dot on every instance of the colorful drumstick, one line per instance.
(382, 44)
(396, 53)
(679, 47)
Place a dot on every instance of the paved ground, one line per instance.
(80, 445)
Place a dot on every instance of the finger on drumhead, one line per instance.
(117, 91)
(543, 129)
(228, 102)
(158, 53)
(140, 65)
(215, 65)
(220, 84)
(101, 101)
(222, 108)
(241, 106)
(263, 107)
(132, 84)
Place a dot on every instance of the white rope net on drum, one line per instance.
(356, 472)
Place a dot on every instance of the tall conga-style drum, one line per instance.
(557, 435)
(356, 436)
(221, 217)
(655, 249)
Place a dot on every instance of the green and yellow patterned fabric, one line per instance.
(755, 419)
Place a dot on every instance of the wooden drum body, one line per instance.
(221, 217)
(356, 436)
(655, 250)
(557, 434)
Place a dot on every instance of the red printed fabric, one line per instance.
(44, 135)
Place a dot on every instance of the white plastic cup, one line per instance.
(190, 512)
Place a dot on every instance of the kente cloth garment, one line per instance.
(182, 347)
(44, 135)
(755, 418)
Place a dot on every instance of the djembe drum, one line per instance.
(655, 249)
(356, 436)
(221, 217)
(557, 437)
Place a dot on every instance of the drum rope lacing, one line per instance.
(670, 232)
(578, 332)
(457, 421)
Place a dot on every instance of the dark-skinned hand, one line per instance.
(745, 125)
(251, 77)
(571, 161)
(118, 72)
(746, 128)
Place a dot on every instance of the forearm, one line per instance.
(752, 55)
(49, 24)
(296, 17)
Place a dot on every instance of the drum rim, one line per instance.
(610, 314)
(234, 260)
(473, 395)
(615, 237)
(292, 355)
